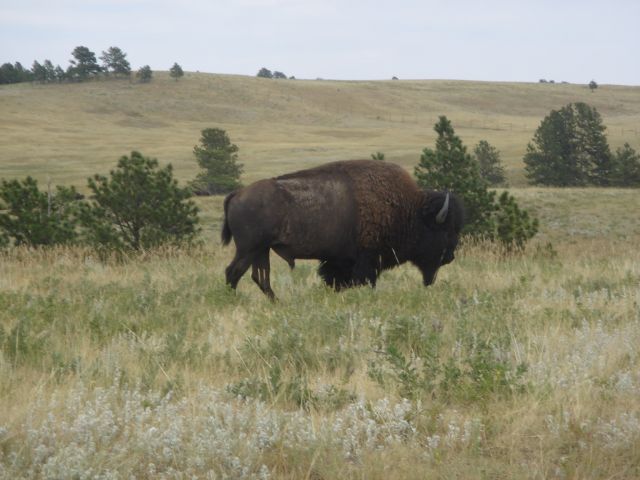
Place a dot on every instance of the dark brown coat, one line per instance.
(357, 217)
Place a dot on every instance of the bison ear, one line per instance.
(436, 207)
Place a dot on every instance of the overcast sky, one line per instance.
(561, 40)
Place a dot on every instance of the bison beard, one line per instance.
(357, 217)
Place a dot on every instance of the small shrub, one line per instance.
(513, 226)
(24, 342)
(416, 366)
(481, 372)
(36, 218)
(140, 206)
(264, 73)
(414, 375)
(286, 351)
(626, 167)
(176, 71)
(144, 74)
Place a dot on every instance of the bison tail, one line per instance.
(226, 231)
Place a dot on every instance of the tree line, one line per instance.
(276, 74)
(82, 66)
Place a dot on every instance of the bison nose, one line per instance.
(447, 258)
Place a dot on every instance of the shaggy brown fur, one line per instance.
(387, 199)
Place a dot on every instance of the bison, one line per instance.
(357, 217)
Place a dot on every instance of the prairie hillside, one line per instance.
(68, 132)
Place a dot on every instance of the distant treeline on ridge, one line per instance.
(83, 66)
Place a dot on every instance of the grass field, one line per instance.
(519, 367)
(69, 132)
(507, 367)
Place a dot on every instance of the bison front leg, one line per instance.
(260, 274)
(364, 271)
(336, 273)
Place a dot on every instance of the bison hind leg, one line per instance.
(237, 268)
(336, 273)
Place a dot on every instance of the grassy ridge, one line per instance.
(68, 132)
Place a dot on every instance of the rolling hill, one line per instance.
(71, 131)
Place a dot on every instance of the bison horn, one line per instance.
(442, 214)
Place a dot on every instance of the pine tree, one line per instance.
(488, 158)
(84, 64)
(50, 70)
(22, 74)
(35, 218)
(569, 148)
(145, 74)
(514, 228)
(39, 72)
(219, 159)
(176, 71)
(264, 73)
(450, 167)
(139, 206)
(7, 74)
(626, 168)
(114, 60)
(60, 74)
(548, 160)
(591, 144)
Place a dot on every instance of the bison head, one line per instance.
(438, 231)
